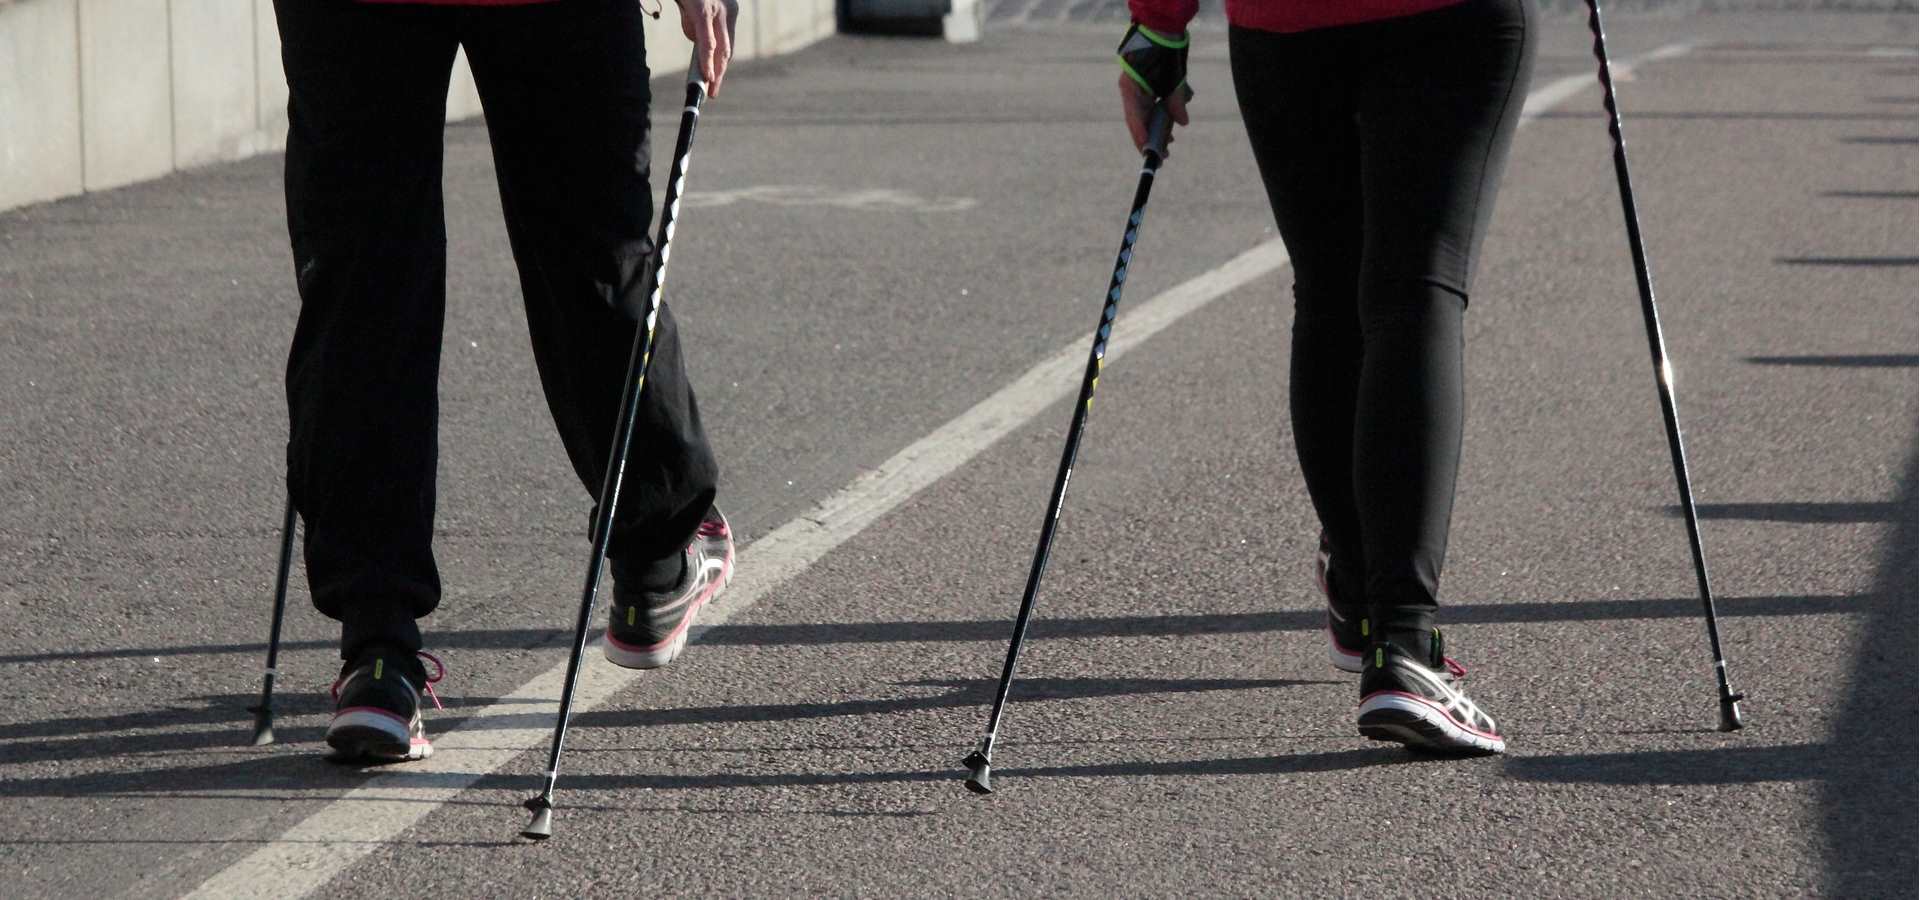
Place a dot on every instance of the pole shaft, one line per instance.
(279, 604)
(623, 431)
(1656, 344)
(1096, 359)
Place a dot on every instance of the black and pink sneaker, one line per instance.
(1416, 700)
(376, 715)
(648, 629)
(1347, 636)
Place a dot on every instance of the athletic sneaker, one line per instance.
(376, 715)
(1346, 631)
(1420, 703)
(648, 628)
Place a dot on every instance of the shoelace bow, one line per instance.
(439, 672)
(712, 529)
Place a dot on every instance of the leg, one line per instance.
(366, 108)
(565, 89)
(1438, 106)
(1299, 117)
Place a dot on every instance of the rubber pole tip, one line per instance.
(1730, 713)
(262, 727)
(980, 781)
(541, 827)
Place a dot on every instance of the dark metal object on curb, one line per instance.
(1663, 371)
(980, 763)
(540, 827)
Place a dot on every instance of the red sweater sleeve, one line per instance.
(1164, 16)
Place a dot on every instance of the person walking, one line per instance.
(1380, 129)
(565, 89)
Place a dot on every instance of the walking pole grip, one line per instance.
(1160, 125)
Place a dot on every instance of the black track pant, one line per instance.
(565, 91)
(1381, 146)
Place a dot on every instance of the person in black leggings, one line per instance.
(1381, 144)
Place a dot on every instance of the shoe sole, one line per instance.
(630, 657)
(361, 734)
(1405, 719)
(1352, 662)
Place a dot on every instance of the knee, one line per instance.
(1400, 305)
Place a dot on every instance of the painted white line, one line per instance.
(313, 851)
(1557, 91)
(353, 826)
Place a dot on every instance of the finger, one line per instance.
(1177, 107)
(703, 48)
(1130, 98)
(723, 47)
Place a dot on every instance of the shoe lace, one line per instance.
(439, 672)
(1454, 669)
(713, 529)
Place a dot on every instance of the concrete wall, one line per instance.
(95, 94)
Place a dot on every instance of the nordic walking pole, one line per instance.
(263, 713)
(541, 826)
(980, 762)
(1663, 370)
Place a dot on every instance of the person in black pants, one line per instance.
(1380, 139)
(565, 90)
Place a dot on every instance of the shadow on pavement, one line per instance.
(234, 733)
(1798, 513)
(997, 630)
(1737, 116)
(1861, 361)
(1866, 770)
(1869, 815)
(1872, 195)
(1850, 261)
(1283, 764)
(1736, 763)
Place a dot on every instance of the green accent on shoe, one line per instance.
(379, 668)
(1365, 630)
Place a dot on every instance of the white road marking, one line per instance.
(324, 844)
(864, 199)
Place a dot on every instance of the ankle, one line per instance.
(654, 576)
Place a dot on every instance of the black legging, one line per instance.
(1381, 145)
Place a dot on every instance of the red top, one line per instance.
(1172, 16)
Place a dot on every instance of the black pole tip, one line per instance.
(262, 725)
(980, 781)
(541, 827)
(1730, 713)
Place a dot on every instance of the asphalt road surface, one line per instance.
(891, 248)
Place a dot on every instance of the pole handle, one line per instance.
(1160, 124)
